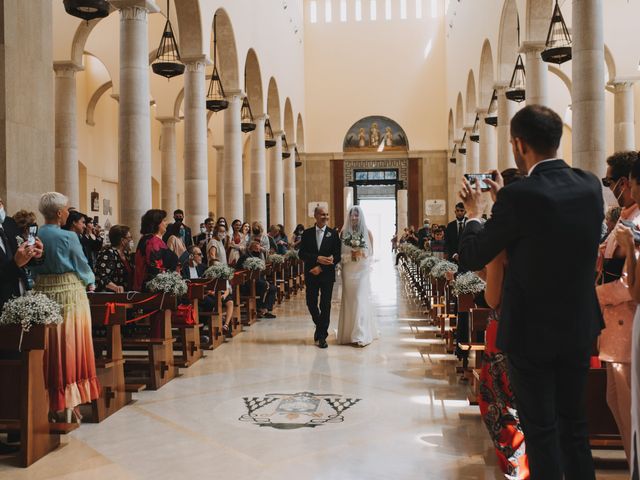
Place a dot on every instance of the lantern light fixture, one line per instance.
(492, 111)
(285, 148)
(269, 138)
(558, 44)
(87, 9)
(167, 62)
(216, 99)
(516, 90)
(475, 136)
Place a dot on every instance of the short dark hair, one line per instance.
(178, 211)
(208, 220)
(74, 216)
(539, 127)
(621, 163)
(117, 233)
(635, 172)
(151, 220)
(460, 205)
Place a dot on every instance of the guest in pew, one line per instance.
(266, 291)
(216, 248)
(113, 269)
(495, 398)
(192, 269)
(438, 245)
(278, 242)
(297, 236)
(179, 229)
(549, 223)
(258, 236)
(152, 254)
(176, 245)
(222, 221)
(91, 241)
(64, 276)
(237, 244)
(205, 235)
(617, 306)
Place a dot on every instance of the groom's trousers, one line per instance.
(320, 311)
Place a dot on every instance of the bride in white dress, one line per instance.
(357, 323)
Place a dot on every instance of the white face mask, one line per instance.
(132, 246)
(3, 215)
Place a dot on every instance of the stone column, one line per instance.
(403, 211)
(67, 178)
(134, 123)
(587, 72)
(624, 120)
(488, 154)
(258, 199)
(196, 163)
(220, 180)
(290, 205)
(276, 184)
(452, 185)
(473, 164)
(536, 78)
(233, 190)
(506, 109)
(169, 195)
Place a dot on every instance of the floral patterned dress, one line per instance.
(110, 268)
(498, 410)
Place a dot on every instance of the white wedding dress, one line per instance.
(357, 323)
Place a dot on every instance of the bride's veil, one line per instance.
(358, 228)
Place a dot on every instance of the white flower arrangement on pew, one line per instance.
(168, 282)
(443, 267)
(468, 283)
(254, 264)
(276, 259)
(292, 254)
(220, 270)
(428, 263)
(29, 310)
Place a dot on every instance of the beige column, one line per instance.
(67, 178)
(587, 72)
(624, 119)
(290, 204)
(169, 190)
(536, 78)
(258, 168)
(276, 181)
(403, 211)
(233, 190)
(196, 163)
(506, 109)
(220, 180)
(453, 183)
(473, 165)
(134, 123)
(488, 155)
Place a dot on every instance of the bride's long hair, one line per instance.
(358, 227)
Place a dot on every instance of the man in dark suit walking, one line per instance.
(454, 231)
(320, 250)
(550, 224)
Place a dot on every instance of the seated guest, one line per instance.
(91, 241)
(424, 234)
(179, 229)
(266, 291)
(297, 236)
(176, 245)
(277, 244)
(284, 239)
(203, 238)
(258, 236)
(237, 243)
(152, 254)
(438, 246)
(113, 270)
(216, 248)
(64, 276)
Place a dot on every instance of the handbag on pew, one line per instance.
(184, 315)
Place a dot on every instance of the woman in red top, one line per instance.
(152, 254)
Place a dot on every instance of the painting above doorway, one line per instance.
(375, 134)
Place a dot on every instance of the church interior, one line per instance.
(271, 111)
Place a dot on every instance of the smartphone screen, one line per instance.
(33, 231)
(479, 177)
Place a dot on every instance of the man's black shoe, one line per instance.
(323, 344)
(269, 315)
(315, 336)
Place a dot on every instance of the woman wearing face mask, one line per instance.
(216, 250)
(113, 270)
(237, 242)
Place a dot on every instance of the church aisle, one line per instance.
(387, 411)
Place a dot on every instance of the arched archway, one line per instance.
(273, 105)
(288, 121)
(508, 40)
(227, 51)
(459, 118)
(486, 77)
(253, 80)
(300, 134)
(471, 103)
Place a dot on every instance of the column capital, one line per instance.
(235, 92)
(623, 82)
(219, 148)
(500, 86)
(133, 5)
(278, 133)
(532, 46)
(66, 68)
(196, 63)
(292, 146)
(482, 112)
(167, 120)
(261, 118)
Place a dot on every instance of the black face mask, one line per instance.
(256, 232)
(178, 220)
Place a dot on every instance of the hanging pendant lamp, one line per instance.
(475, 136)
(453, 159)
(558, 40)
(87, 9)
(167, 63)
(285, 148)
(463, 145)
(492, 111)
(246, 117)
(516, 90)
(269, 139)
(216, 99)
(298, 163)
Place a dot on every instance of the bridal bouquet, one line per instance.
(276, 259)
(168, 282)
(219, 270)
(442, 268)
(356, 242)
(468, 283)
(254, 263)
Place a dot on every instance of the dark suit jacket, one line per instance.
(550, 224)
(199, 268)
(423, 234)
(451, 240)
(10, 274)
(331, 245)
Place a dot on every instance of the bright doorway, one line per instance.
(380, 214)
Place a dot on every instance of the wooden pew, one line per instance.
(24, 404)
(115, 393)
(248, 303)
(149, 352)
(211, 320)
(186, 334)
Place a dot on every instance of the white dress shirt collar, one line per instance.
(540, 163)
(323, 229)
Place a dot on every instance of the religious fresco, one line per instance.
(375, 134)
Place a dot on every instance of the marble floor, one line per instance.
(391, 410)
